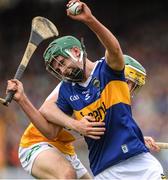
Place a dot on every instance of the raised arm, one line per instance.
(113, 54)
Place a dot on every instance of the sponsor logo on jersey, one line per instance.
(87, 96)
(98, 113)
(86, 92)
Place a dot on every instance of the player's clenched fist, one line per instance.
(16, 86)
(81, 13)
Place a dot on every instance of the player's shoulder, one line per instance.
(65, 84)
(66, 87)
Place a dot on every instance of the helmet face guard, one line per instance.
(61, 47)
(134, 72)
(76, 75)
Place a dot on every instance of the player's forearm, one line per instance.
(46, 128)
(53, 114)
(109, 41)
(105, 36)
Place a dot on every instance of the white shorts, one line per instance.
(28, 155)
(143, 166)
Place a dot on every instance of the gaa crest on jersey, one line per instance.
(74, 98)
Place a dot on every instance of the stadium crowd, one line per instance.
(146, 41)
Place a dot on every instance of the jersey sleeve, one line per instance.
(117, 75)
(62, 102)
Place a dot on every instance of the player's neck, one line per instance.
(89, 68)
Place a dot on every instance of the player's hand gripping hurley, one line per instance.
(41, 29)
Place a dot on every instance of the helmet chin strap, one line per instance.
(84, 55)
(134, 89)
(82, 59)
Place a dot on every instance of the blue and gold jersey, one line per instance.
(106, 97)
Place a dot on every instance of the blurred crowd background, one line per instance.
(142, 30)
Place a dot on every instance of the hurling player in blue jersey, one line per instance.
(98, 89)
(135, 75)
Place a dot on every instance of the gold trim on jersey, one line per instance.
(114, 92)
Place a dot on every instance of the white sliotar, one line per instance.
(74, 8)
